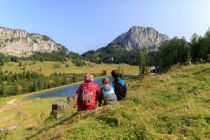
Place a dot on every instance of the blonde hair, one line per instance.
(89, 77)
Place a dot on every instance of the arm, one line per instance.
(113, 85)
(99, 97)
(79, 89)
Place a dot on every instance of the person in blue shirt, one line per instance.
(119, 85)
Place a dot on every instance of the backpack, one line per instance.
(86, 97)
(120, 89)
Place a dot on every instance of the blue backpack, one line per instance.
(120, 88)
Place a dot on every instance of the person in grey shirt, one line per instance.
(107, 92)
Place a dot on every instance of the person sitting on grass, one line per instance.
(107, 92)
(119, 85)
(87, 94)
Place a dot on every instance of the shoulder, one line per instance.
(112, 89)
(122, 81)
(94, 85)
(83, 84)
(101, 89)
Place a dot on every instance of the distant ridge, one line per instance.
(18, 42)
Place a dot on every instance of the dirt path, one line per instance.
(12, 101)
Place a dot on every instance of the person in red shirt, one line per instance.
(87, 94)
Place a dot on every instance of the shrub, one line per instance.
(57, 65)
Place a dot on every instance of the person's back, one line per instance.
(119, 85)
(108, 92)
(87, 93)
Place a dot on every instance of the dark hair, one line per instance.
(105, 81)
(115, 74)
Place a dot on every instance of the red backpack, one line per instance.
(86, 97)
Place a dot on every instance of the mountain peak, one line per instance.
(141, 37)
(123, 48)
(141, 28)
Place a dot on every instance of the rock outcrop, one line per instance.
(72, 98)
(20, 43)
(58, 107)
(7, 130)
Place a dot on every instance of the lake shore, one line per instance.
(56, 88)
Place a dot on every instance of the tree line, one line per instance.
(174, 51)
(177, 51)
(26, 82)
(112, 54)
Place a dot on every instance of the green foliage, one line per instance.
(67, 65)
(26, 82)
(110, 120)
(20, 64)
(91, 56)
(57, 65)
(173, 105)
(78, 62)
(45, 38)
(141, 62)
(112, 54)
(4, 58)
(200, 46)
(152, 58)
(49, 56)
(141, 59)
(173, 52)
(62, 54)
(104, 72)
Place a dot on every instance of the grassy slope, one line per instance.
(175, 105)
(47, 67)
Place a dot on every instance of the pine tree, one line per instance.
(4, 89)
(74, 78)
(141, 62)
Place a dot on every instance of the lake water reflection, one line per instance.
(63, 92)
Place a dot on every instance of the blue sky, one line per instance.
(82, 25)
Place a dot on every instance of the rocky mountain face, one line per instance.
(124, 48)
(20, 43)
(140, 37)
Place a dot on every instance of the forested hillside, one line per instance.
(170, 52)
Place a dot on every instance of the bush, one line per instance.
(67, 65)
(104, 73)
(57, 65)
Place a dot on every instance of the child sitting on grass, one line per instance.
(107, 92)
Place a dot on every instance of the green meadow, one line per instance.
(170, 106)
(49, 67)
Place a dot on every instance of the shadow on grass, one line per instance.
(74, 117)
(201, 71)
(132, 77)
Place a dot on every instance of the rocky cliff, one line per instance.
(20, 43)
(140, 37)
